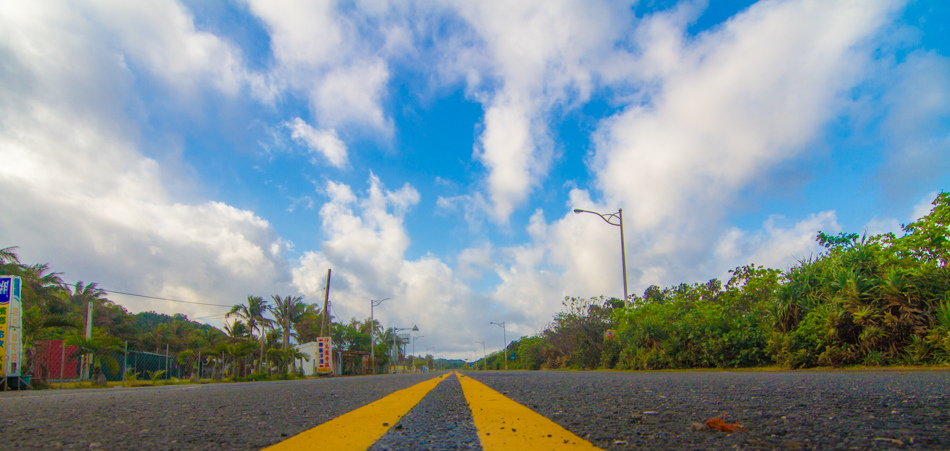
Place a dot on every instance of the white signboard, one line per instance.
(324, 355)
(10, 327)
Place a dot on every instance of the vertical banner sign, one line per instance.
(10, 327)
(324, 352)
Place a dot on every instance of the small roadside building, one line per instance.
(345, 363)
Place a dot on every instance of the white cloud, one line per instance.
(306, 201)
(78, 193)
(774, 246)
(537, 56)
(878, 226)
(321, 52)
(513, 155)
(713, 116)
(726, 109)
(474, 208)
(352, 94)
(161, 36)
(915, 124)
(923, 207)
(472, 262)
(365, 246)
(323, 142)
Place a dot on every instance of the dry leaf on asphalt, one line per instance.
(719, 424)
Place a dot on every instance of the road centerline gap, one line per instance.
(442, 421)
(360, 428)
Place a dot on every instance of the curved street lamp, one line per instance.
(618, 216)
(372, 325)
(504, 349)
(484, 355)
(414, 338)
(395, 349)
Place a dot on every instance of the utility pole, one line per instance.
(504, 349)
(484, 355)
(85, 357)
(326, 304)
(414, 338)
(372, 326)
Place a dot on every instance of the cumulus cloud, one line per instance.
(161, 37)
(323, 142)
(322, 52)
(79, 194)
(472, 262)
(365, 246)
(775, 246)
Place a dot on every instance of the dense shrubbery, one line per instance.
(874, 300)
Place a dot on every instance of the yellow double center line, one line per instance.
(501, 422)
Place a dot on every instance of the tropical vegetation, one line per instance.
(258, 340)
(865, 300)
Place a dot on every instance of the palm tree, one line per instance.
(81, 294)
(252, 314)
(282, 358)
(42, 288)
(8, 257)
(308, 326)
(101, 347)
(288, 312)
(372, 325)
(237, 331)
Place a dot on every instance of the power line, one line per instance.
(155, 297)
(165, 299)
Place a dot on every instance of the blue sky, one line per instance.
(432, 152)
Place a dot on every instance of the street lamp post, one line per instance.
(504, 349)
(372, 325)
(396, 334)
(484, 355)
(414, 338)
(618, 216)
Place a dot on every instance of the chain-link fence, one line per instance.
(54, 361)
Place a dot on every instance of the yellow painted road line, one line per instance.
(359, 429)
(504, 424)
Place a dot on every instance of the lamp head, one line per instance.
(578, 210)
(415, 328)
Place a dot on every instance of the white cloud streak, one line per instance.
(323, 142)
(540, 55)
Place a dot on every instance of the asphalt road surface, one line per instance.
(807, 410)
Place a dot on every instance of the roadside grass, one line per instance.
(156, 382)
(770, 368)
